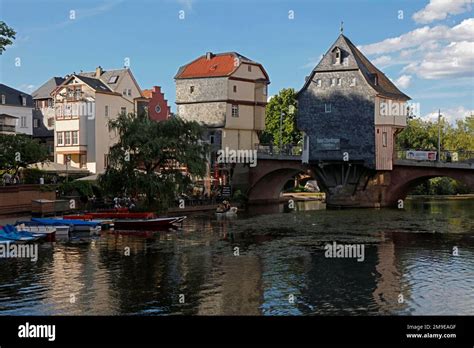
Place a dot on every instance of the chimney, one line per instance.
(98, 72)
(209, 55)
(157, 89)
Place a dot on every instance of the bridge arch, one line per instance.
(405, 178)
(268, 178)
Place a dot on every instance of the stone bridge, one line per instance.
(350, 184)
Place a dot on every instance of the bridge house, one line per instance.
(349, 110)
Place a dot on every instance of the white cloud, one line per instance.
(382, 61)
(430, 52)
(420, 36)
(440, 9)
(454, 60)
(403, 81)
(451, 115)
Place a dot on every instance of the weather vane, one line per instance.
(342, 27)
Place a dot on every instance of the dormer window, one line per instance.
(337, 55)
(23, 100)
(4, 99)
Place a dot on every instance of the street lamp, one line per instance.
(439, 135)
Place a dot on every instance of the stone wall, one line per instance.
(17, 198)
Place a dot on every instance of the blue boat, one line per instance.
(88, 227)
(9, 233)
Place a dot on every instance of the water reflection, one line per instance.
(254, 265)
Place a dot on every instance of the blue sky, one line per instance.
(427, 49)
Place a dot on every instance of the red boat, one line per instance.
(110, 215)
(147, 224)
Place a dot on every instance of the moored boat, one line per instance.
(147, 224)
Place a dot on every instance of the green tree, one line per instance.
(7, 35)
(18, 151)
(149, 158)
(284, 101)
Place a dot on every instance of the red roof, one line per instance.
(218, 65)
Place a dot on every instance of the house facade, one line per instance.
(227, 93)
(156, 104)
(349, 110)
(84, 103)
(16, 111)
(44, 113)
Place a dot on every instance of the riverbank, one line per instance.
(441, 197)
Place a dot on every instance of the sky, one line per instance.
(425, 46)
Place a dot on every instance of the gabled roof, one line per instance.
(14, 96)
(384, 86)
(218, 65)
(44, 92)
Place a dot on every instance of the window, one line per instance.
(59, 137)
(124, 92)
(23, 122)
(249, 68)
(333, 82)
(106, 161)
(327, 108)
(353, 82)
(67, 138)
(339, 82)
(211, 139)
(75, 138)
(158, 109)
(36, 123)
(318, 82)
(78, 93)
(51, 122)
(376, 80)
(265, 90)
(70, 93)
(384, 139)
(113, 79)
(23, 100)
(123, 110)
(50, 103)
(106, 111)
(235, 110)
(4, 99)
(191, 89)
(235, 88)
(129, 92)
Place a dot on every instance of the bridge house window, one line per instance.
(4, 99)
(339, 82)
(235, 110)
(327, 108)
(318, 82)
(353, 82)
(191, 89)
(333, 81)
(384, 139)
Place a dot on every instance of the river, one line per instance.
(272, 264)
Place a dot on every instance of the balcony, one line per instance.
(7, 128)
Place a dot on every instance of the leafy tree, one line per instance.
(18, 151)
(7, 35)
(149, 158)
(284, 101)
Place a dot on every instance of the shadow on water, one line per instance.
(272, 264)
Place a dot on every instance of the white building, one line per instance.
(16, 111)
(84, 103)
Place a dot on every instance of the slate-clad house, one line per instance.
(342, 110)
(43, 113)
(16, 111)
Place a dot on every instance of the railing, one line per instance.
(286, 150)
(445, 155)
